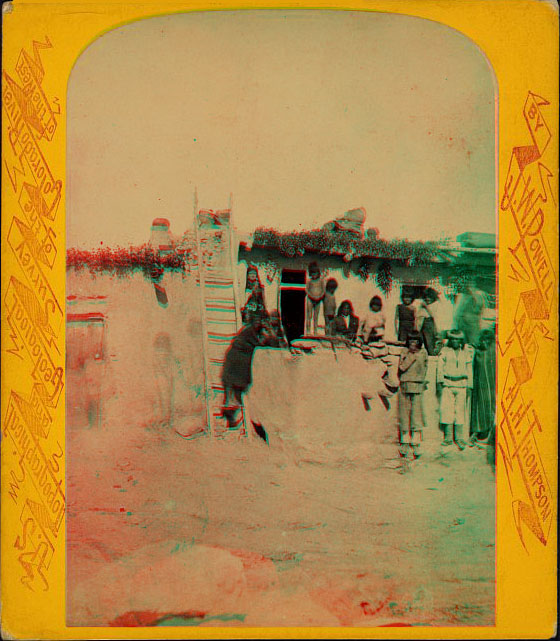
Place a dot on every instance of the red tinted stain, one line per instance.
(135, 619)
(369, 610)
(396, 625)
(142, 618)
(90, 316)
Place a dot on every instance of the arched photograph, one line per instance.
(281, 241)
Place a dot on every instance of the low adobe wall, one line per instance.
(311, 405)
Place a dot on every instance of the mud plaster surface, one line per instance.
(324, 526)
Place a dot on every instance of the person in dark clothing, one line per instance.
(426, 322)
(483, 401)
(405, 316)
(346, 323)
(254, 295)
(236, 373)
(329, 306)
(274, 332)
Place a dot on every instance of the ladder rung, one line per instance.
(224, 335)
(222, 307)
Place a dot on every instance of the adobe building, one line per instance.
(137, 320)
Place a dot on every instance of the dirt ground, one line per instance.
(164, 530)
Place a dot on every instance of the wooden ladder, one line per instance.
(221, 315)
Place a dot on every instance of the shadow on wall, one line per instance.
(85, 364)
(164, 379)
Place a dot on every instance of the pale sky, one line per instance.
(302, 115)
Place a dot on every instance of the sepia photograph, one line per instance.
(281, 315)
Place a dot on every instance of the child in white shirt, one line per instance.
(454, 378)
(372, 328)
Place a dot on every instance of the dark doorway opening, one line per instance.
(292, 304)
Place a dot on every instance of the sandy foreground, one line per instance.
(164, 530)
(324, 525)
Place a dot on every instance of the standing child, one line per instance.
(329, 306)
(373, 326)
(454, 378)
(315, 290)
(413, 366)
(426, 320)
(404, 316)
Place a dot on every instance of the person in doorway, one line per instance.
(405, 316)
(372, 328)
(254, 294)
(236, 372)
(329, 306)
(413, 366)
(315, 290)
(454, 378)
(346, 322)
(483, 403)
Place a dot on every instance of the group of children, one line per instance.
(344, 322)
(412, 314)
(465, 378)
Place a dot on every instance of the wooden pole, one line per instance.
(202, 290)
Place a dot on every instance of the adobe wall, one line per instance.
(311, 405)
(141, 366)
